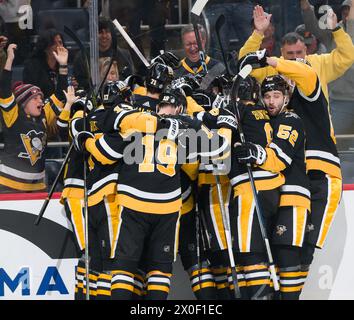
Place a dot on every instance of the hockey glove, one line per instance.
(80, 139)
(172, 125)
(167, 58)
(226, 119)
(257, 59)
(250, 153)
(188, 83)
(190, 122)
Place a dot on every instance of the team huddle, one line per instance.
(239, 175)
(143, 212)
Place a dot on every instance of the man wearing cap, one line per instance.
(341, 91)
(27, 121)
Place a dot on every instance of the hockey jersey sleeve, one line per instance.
(123, 118)
(288, 137)
(252, 44)
(302, 74)
(63, 124)
(107, 149)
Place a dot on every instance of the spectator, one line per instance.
(42, 69)
(113, 74)
(26, 123)
(10, 12)
(123, 58)
(191, 63)
(341, 90)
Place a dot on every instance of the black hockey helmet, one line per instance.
(114, 92)
(276, 82)
(249, 89)
(174, 96)
(159, 75)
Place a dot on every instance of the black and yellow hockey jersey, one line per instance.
(189, 174)
(103, 172)
(257, 129)
(22, 161)
(286, 154)
(145, 103)
(321, 150)
(310, 104)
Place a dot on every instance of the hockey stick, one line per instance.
(131, 43)
(218, 25)
(227, 230)
(244, 72)
(197, 10)
(200, 48)
(50, 194)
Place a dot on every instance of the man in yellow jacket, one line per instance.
(328, 67)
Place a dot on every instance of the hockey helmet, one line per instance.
(174, 96)
(114, 92)
(159, 75)
(276, 82)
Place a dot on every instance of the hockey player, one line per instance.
(248, 244)
(102, 186)
(322, 161)
(27, 122)
(155, 203)
(158, 77)
(72, 197)
(284, 153)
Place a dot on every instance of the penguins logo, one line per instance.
(34, 143)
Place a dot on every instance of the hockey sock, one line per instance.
(202, 282)
(158, 285)
(79, 281)
(104, 286)
(139, 286)
(257, 276)
(241, 282)
(222, 283)
(122, 285)
(306, 257)
(291, 277)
